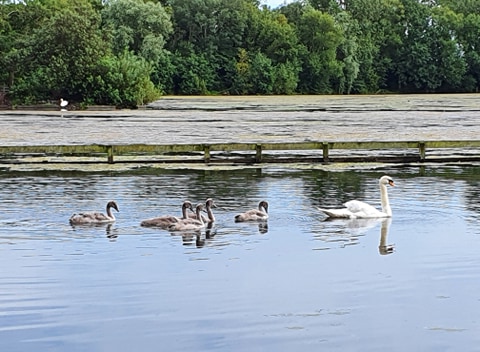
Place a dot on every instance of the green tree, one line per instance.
(285, 78)
(328, 6)
(241, 82)
(262, 74)
(193, 74)
(142, 27)
(56, 56)
(123, 81)
(430, 59)
(468, 38)
(450, 59)
(255, 74)
(277, 40)
(294, 11)
(321, 38)
(375, 26)
(17, 24)
(213, 30)
(347, 53)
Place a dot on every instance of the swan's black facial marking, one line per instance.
(188, 205)
(264, 204)
(113, 205)
(390, 182)
(210, 203)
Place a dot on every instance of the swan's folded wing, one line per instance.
(343, 213)
(99, 217)
(90, 217)
(161, 221)
(357, 206)
(186, 225)
(251, 215)
(363, 210)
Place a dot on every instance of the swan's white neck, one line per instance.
(384, 200)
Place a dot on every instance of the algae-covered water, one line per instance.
(253, 119)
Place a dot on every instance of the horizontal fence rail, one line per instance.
(391, 151)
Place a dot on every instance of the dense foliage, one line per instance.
(129, 52)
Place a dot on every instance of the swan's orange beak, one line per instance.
(391, 183)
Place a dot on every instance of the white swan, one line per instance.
(260, 214)
(356, 209)
(95, 217)
(165, 221)
(189, 224)
(63, 104)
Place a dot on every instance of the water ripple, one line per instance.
(294, 280)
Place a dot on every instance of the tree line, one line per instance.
(130, 52)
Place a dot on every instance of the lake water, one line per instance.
(300, 283)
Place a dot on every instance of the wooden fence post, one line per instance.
(325, 152)
(258, 153)
(206, 155)
(110, 154)
(421, 149)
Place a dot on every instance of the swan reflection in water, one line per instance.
(383, 247)
(358, 227)
(110, 232)
(263, 227)
(210, 232)
(190, 237)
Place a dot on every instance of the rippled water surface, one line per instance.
(300, 283)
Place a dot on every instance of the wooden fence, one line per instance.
(297, 152)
